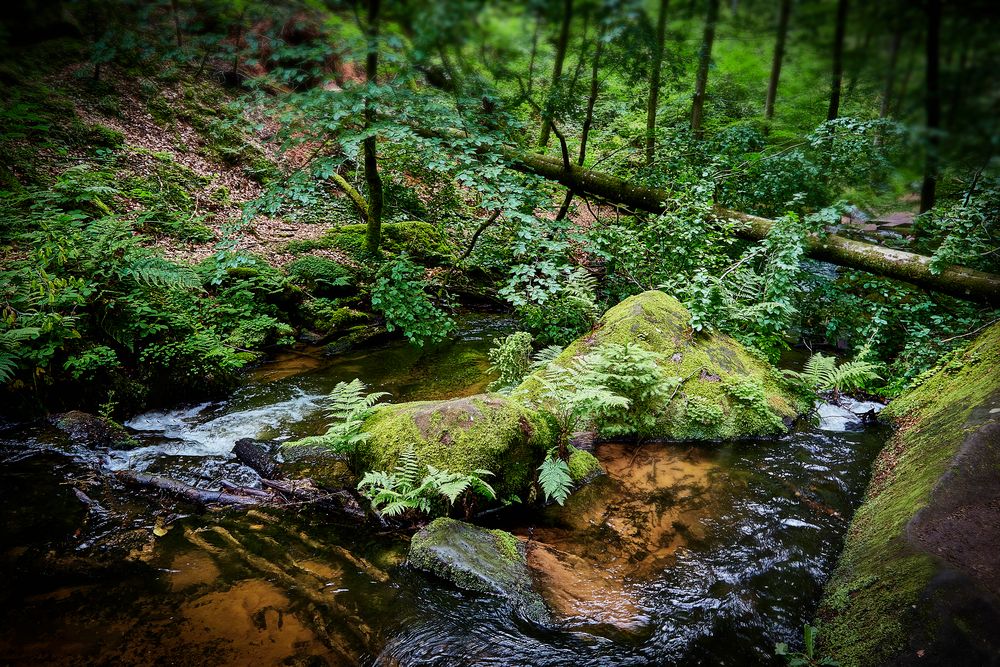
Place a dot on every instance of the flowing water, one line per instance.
(681, 554)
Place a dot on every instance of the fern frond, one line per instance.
(555, 480)
(161, 273)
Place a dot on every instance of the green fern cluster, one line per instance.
(554, 478)
(822, 373)
(349, 405)
(636, 374)
(424, 489)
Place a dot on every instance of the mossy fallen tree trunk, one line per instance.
(957, 281)
(918, 581)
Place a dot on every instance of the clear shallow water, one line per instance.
(680, 555)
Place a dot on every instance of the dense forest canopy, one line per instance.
(446, 128)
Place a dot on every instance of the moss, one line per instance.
(873, 601)
(479, 560)
(726, 392)
(487, 432)
(421, 241)
(321, 275)
(583, 465)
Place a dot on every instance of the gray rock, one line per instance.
(90, 430)
(479, 560)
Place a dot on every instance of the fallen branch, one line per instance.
(181, 490)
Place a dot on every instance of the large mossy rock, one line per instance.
(726, 392)
(484, 431)
(479, 560)
(918, 581)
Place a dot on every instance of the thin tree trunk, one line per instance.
(890, 74)
(705, 58)
(373, 238)
(588, 121)
(175, 9)
(932, 99)
(583, 52)
(654, 82)
(833, 112)
(534, 51)
(779, 54)
(561, 46)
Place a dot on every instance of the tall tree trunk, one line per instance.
(779, 54)
(588, 120)
(838, 61)
(175, 10)
(890, 73)
(373, 237)
(654, 82)
(704, 59)
(932, 99)
(534, 52)
(561, 46)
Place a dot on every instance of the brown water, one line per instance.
(680, 555)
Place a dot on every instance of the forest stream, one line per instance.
(682, 554)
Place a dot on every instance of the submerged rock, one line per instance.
(479, 560)
(272, 461)
(90, 430)
(918, 581)
(485, 431)
(726, 392)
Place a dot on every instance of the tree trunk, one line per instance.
(779, 54)
(932, 99)
(704, 59)
(957, 281)
(561, 46)
(654, 82)
(588, 120)
(534, 51)
(833, 112)
(373, 237)
(890, 74)
(177, 23)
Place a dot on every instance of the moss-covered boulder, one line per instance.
(479, 560)
(918, 581)
(90, 430)
(484, 431)
(725, 392)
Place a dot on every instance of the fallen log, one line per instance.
(181, 490)
(958, 281)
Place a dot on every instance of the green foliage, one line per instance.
(554, 478)
(574, 395)
(349, 404)
(555, 303)
(808, 657)
(400, 293)
(319, 274)
(965, 232)
(510, 359)
(822, 373)
(423, 489)
(634, 373)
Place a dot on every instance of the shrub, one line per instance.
(400, 293)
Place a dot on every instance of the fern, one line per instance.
(544, 357)
(554, 478)
(349, 405)
(405, 489)
(160, 273)
(822, 373)
(8, 349)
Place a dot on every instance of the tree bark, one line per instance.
(704, 59)
(890, 73)
(779, 54)
(561, 45)
(833, 112)
(588, 120)
(654, 82)
(932, 100)
(957, 281)
(373, 238)
(175, 10)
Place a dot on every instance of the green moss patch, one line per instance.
(877, 600)
(421, 241)
(726, 392)
(487, 432)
